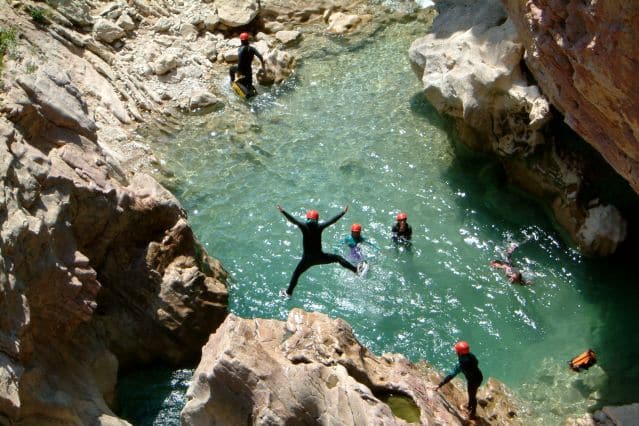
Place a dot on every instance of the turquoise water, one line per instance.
(353, 128)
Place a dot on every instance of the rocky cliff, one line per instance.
(470, 64)
(100, 270)
(584, 57)
(312, 370)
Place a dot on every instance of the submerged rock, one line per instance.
(312, 370)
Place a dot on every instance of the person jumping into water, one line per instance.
(513, 274)
(312, 245)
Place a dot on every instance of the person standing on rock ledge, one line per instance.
(244, 68)
(312, 245)
(468, 365)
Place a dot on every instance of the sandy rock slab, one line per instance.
(312, 370)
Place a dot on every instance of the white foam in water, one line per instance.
(425, 3)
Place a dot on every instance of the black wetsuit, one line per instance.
(312, 244)
(245, 55)
(404, 236)
(468, 365)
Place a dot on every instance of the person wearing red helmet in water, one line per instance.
(245, 55)
(354, 241)
(312, 253)
(468, 365)
(401, 231)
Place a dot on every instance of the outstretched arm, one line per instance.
(288, 216)
(334, 219)
(450, 376)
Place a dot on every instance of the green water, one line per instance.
(353, 128)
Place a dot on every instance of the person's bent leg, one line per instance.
(335, 258)
(302, 266)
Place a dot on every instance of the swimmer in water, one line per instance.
(513, 274)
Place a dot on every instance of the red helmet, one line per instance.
(356, 227)
(462, 347)
(401, 216)
(312, 214)
(244, 36)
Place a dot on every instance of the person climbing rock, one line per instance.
(514, 275)
(242, 73)
(468, 365)
(312, 245)
(401, 232)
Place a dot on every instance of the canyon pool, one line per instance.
(352, 127)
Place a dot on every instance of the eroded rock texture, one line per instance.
(584, 55)
(100, 270)
(311, 370)
(470, 66)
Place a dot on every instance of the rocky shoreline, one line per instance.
(101, 270)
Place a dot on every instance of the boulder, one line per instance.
(311, 369)
(166, 63)
(474, 76)
(602, 230)
(237, 13)
(279, 66)
(288, 37)
(125, 22)
(340, 23)
(273, 26)
(200, 99)
(107, 31)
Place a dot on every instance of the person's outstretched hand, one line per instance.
(346, 208)
(280, 208)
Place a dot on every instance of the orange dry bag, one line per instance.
(583, 361)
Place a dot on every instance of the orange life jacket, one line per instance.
(583, 361)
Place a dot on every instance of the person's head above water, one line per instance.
(462, 347)
(356, 230)
(312, 215)
(402, 225)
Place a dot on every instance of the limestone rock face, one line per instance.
(100, 269)
(473, 75)
(584, 55)
(311, 370)
(470, 68)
